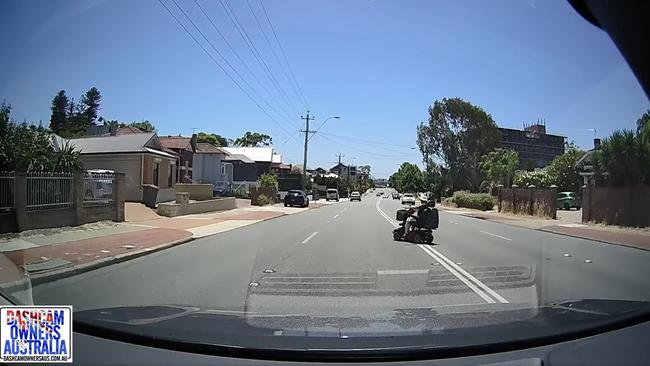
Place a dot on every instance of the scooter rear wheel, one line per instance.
(428, 238)
(397, 235)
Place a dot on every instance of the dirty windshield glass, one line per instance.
(322, 169)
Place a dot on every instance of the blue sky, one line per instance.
(377, 64)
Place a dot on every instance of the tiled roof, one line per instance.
(205, 147)
(175, 142)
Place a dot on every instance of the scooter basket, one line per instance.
(401, 215)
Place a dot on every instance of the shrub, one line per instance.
(240, 192)
(448, 201)
(264, 200)
(539, 179)
(268, 180)
(480, 201)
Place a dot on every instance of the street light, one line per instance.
(321, 125)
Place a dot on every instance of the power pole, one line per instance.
(307, 132)
(339, 155)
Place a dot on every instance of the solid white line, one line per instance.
(474, 279)
(498, 236)
(465, 281)
(309, 237)
(453, 267)
(402, 271)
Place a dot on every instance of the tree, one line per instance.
(212, 138)
(624, 158)
(90, 105)
(499, 166)
(563, 171)
(643, 121)
(459, 133)
(254, 139)
(408, 178)
(59, 118)
(144, 126)
(5, 115)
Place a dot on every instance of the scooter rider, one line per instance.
(414, 216)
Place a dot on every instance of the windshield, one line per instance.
(178, 159)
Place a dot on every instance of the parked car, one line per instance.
(332, 194)
(296, 198)
(567, 200)
(408, 199)
(355, 196)
(396, 195)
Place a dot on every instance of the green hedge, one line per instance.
(480, 201)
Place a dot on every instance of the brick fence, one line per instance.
(528, 201)
(76, 211)
(624, 206)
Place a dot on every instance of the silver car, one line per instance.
(408, 199)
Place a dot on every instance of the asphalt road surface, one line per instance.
(340, 260)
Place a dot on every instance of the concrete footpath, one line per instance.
(54, 253)
(568, 223)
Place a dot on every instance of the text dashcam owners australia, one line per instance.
(36, 334)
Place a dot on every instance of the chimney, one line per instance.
(596, 143)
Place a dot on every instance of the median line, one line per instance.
(309, 237)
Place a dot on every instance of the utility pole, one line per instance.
(307, 132)
(339, 155)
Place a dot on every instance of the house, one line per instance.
(140, 156)
(248, 163)
(344, 171)
(585, 165)
(207, 164)
(185, 148)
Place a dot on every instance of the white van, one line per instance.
(332, 194)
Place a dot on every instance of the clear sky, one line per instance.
(377, 64)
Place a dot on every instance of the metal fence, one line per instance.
(47, 190)
(7, 184)
(98, 187)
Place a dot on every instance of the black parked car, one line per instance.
(296, 198)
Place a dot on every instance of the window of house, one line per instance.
(170, 175)
(156, 170)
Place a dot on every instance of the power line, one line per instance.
(251, 46)
(288, 114)
(302, 95)
(364, 151)
(277, 59)
(374, 142)
(222, 57)
(223, 69)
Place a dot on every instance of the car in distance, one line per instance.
(396, 195)
(567, 200)
(332, 194)
(355, 196)
(296, 198)
(408, 199)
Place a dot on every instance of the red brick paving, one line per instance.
(89, 250)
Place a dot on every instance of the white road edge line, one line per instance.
(495, 235)
(309, 237)
(455, 269)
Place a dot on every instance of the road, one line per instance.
(340, 260)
